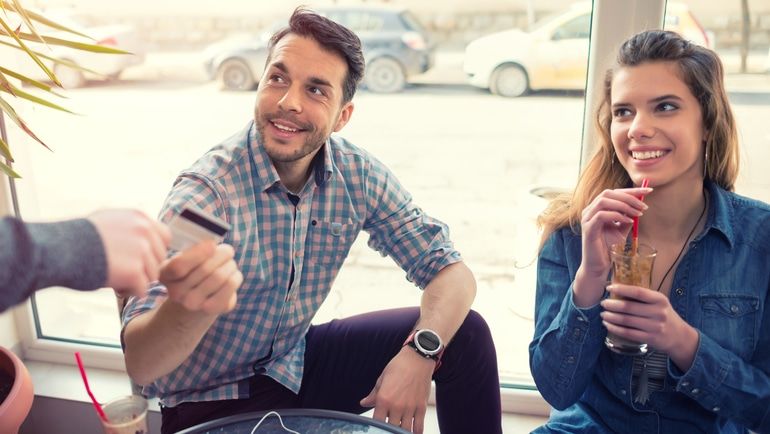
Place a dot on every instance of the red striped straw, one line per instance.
(635, 230)
(97, 406)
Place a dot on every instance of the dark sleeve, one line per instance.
(38, 255)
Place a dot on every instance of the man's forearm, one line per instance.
(447, 300)
(160, 340)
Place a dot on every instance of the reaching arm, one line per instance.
(201, 284)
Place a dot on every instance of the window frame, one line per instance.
(611, 23)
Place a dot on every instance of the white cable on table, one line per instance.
(279, 420)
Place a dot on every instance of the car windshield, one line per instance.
(411, 21)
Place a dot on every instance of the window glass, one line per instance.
(470, 153)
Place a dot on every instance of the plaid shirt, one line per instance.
(348, 191)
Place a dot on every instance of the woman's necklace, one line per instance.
(643, 385)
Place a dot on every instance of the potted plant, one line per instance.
(16, 392)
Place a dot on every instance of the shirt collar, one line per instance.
(267, 176)
(721, 212)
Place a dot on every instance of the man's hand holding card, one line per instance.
(203, 276)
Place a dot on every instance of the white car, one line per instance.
(554, 55)
(106, 66)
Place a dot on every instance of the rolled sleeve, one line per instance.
(418, 243)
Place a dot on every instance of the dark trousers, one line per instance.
(345, 357)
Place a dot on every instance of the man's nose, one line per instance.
(291, 100)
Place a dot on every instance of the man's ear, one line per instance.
(344, 116)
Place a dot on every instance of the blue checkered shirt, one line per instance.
(348, 191)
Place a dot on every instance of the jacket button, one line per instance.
(623, 391)
(679, 291)
(734, 309)
(715, 409)
(695, 391)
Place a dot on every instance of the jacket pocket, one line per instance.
(731, 320)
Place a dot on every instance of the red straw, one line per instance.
(635, 231)
(97, 406)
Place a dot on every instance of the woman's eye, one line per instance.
(667, 107)
(621, 112)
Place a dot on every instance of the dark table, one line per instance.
(304, 421)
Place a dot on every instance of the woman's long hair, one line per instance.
(702, 72)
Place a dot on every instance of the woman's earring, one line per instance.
(705, 166)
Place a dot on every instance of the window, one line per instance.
(469, 156)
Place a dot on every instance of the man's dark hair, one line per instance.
(332, 37)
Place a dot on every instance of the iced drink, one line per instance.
(630, 269)
(126, 415)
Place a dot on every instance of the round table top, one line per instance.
(303, 421)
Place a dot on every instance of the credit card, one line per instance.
(192, 226)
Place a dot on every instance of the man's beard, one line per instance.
(313, 141)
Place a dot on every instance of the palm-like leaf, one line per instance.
(15, 38)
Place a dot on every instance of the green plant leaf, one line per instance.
(24, 17)
(41, 19)
(82, 46)
(8, 171)
(31, 82)
(5, 150)
(37, 100)
(5, 84)
(65, 62)
(8, 109)
(11, 33)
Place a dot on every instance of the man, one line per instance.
(122, 249)
(296, 199)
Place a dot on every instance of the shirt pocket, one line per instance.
(330, 241)
(731, 320)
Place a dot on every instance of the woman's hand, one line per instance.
(643, 315)
(605, 221)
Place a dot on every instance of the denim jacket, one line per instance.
(720, 287)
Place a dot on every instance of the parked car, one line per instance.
(395, 47)
(554, 55)
(106, 66)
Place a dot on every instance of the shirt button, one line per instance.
(685, 383)
(570, 359)
(680, 291)
(715, 409)
(296, 254)
(695, 391)
(581, 319)
(734, 309)
(623, 391)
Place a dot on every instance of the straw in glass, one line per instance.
(635, 228)
(97, 406)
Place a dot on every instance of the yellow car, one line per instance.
(554, 55)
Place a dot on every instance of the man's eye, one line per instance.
(315, 91)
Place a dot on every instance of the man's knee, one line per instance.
(475, 327)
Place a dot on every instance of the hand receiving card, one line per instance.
(193, 226)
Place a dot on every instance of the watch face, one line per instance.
(428, 341)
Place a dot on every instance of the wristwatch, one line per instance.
(426, 343)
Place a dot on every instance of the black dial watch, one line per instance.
(426, 343)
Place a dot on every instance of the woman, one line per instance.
(665, 117)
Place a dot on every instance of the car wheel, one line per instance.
(509, 81)
(236, 75)
(384, 75)
(69, 78)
